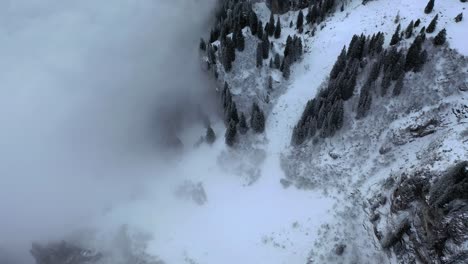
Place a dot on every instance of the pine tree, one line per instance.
(260, 30)
(271, 26)
(336, 117)
(243, 128)
(265, 46)
(210, 136)
(365, 102)
(286, 67)
(409, 30)
(259, 55)
(231, 133)
(386, 82)
(277, 61)
(253, 22)
(300, 20)
(459, 18)
(429, 7)
(270, 83)
(278, 29)
(417, 23)
(257, 119)
(413, 55)
(432, 26)
(239, 39)
(399, 85)
(440, 38)
(396, 36)
(340, 64)
(202, 45)
(271, 63)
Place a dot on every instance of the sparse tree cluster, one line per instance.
(318, 10)
(292, 53)
(324, 115)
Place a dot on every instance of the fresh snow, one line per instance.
(264, 222)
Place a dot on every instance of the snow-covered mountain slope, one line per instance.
(248, 213)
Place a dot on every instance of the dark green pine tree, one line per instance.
(440, 38)
(432, 26)
(365, 102)
(202, 45)
(243, 128)
(239, 39)
(210, 136)
(409, 30)
(265, 46)
(257, 119)
(340, 64)
(270, 83)
(259, 55)
(253, 23)
(277, 61)
(278, 29)
(231, 133)
(260, 30)
(271, 25)
(429, 7)
(417, 23)
(396, 36)
(300, 20)
(286, 67)
(399, 85)
(413, 55)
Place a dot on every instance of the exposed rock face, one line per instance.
(429, 220)
(63, 253)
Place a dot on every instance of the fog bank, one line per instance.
(82, 88)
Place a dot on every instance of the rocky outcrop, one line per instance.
(428, 217)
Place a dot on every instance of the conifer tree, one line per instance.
(243, 128)
(210, 136)
(417, 23)
(386, 82)
(300, 20)
(365, 102)
(396, 36)
(260, 30)
(432, 26)
(340, 64)
(286, 67)
(278, 29)
(277, 61)
(271, 26)
(413, 56)
(257, 119)
(202, 45)
(265, 46)
(239, 39)
(399, 85)
(440, 38)
(231, 133)
(253, 22)
(409, 30)
(429, 7)
(259, 55)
